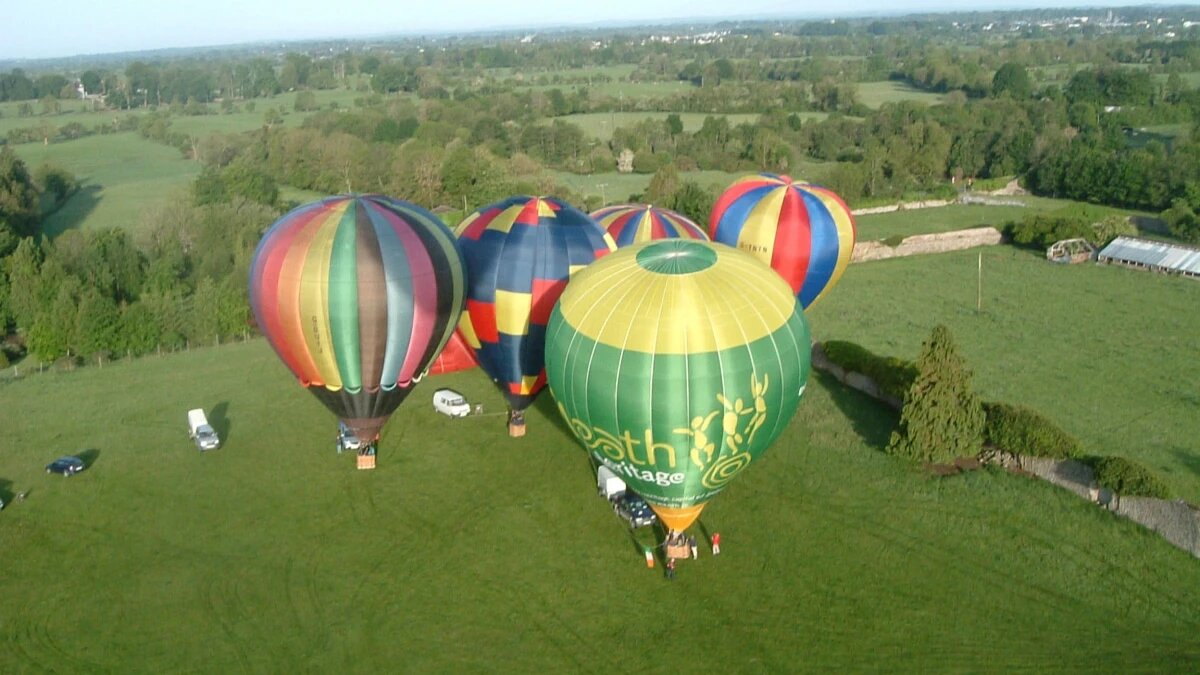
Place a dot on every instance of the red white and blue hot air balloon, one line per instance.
(630, 224)
(804, 232)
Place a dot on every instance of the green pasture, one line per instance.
(1107, 353)
(907, 222)
(600, 125)
(622, 89)
(875, 94)
(120, 177)
(70, 111)
(466, 549)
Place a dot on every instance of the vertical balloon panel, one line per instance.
(519, 254)
(357, 295)
(676, 364)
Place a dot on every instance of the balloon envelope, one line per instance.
(630, 224)
(804, 232)
(676, 363)
(357, 294)
(455, 356)
(519, 254)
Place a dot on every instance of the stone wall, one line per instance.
(1176, 521)
(927, 243)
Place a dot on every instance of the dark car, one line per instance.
(67, 466)
(630, 506)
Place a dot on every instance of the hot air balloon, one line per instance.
(635, 223)
(455, 356)
(357, 294)
(804, 232)
(676, 363)
(519, 254)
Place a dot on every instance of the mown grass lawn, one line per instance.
(1107, 353)
(875, 94)
(121, 177)
(467, 550)
(907, 222)
(600, 125)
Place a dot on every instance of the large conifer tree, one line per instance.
(942, 417)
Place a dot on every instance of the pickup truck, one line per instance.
(200, 431)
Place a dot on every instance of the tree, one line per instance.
(19, 202)
(663, 185)
(942, 418)
(1012, 80)
(306, 101)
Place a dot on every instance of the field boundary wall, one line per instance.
(1175, 520)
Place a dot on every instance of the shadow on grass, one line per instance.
(219, 419)
(6, 493)
(546, 405)
(89, 457)
(1189, 460)
(71, 214)
(872, 420)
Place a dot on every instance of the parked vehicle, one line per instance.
(201, 432)
(607, 482)
(634, 510)
(346, 440)
(67, 466)
(450, 402)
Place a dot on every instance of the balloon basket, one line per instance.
(366, 458)
(516, 428)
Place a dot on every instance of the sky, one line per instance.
(32, 30)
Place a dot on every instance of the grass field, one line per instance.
(622, 89)
(120, 176)
(615, 187)
(875, 94)
(1105, 352)
(961, 216)
(601, 125)
(466, 549)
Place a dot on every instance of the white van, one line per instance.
(201, 432)
(608, 483)
(450, 402)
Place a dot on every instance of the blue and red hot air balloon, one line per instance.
(519, 254)
(630, 224)
(357, 295)
(804, 232)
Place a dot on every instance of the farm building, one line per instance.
(1152, 255)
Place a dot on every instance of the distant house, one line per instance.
(1152, 255)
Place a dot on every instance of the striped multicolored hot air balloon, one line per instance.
(357, 294)
(804, 232)
(519, 254)
(676, 364)
(630, 224)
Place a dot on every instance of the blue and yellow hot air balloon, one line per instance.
(630, 224)
(676, 363)
(519, 254)
(357, 295)
(804, 232)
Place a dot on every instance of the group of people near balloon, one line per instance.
(675, 354)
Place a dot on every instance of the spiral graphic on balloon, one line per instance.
(724, 469)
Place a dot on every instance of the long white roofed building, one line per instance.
(1158, 256)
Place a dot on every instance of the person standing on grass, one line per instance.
(716, 543)
(670, 569)
(692, 545)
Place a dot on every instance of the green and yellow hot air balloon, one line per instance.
(676, 363)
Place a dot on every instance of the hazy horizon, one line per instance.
(142, 25)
